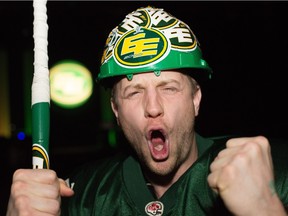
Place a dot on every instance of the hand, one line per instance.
(36, 192)
(243, 176)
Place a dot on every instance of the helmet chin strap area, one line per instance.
(156, 72)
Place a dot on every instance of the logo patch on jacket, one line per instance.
(154, 208)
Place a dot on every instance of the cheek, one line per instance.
(129, 116)
(182, 108)
(184, 117)
(131, 123)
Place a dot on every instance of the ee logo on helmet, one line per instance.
(140, 47)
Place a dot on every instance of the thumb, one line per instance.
(65, 190)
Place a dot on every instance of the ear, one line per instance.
(197, 100)
(114, 109)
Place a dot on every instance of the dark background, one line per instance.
(244, 42)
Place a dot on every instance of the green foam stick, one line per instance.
(40, 89)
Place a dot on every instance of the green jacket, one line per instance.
(116, 186)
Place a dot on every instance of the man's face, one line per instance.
(157, 116)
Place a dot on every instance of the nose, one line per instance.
(153, 104)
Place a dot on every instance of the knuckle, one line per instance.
(253, 147)
(221, 154)
(263, 141)
(22, 203)
(54, 193)
(228, 171)
(51, 176)
(240, 158)
(55, 207)
(18, 173)
(257, 145)
(17, 187)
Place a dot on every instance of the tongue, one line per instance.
(157, 144)
(158, 148)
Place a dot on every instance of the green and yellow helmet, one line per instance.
(150, 39)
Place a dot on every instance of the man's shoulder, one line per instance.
(279, 152)
(90, 181)
(279, 148)
(213, 145)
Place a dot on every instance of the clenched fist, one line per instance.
(36, 192)
(243, 176)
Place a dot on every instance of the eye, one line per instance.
(170, 89)
(132, 94)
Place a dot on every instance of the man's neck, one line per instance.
(161, 184)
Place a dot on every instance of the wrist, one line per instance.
(273, 207)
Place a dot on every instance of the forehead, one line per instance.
(150, 77)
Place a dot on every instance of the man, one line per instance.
(153, 64)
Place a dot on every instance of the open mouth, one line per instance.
(158, 144)
(157, 140)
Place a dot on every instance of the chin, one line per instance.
(161, 168)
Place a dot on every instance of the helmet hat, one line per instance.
(150, 39)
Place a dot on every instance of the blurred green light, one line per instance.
(112, 138)
(71, 84)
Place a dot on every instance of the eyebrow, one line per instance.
(168, 81)
(161, 83)
(137, 86)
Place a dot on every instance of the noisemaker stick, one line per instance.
(40, 89)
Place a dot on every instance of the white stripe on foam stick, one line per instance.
(41, 83)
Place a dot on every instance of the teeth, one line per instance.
(159, 147)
